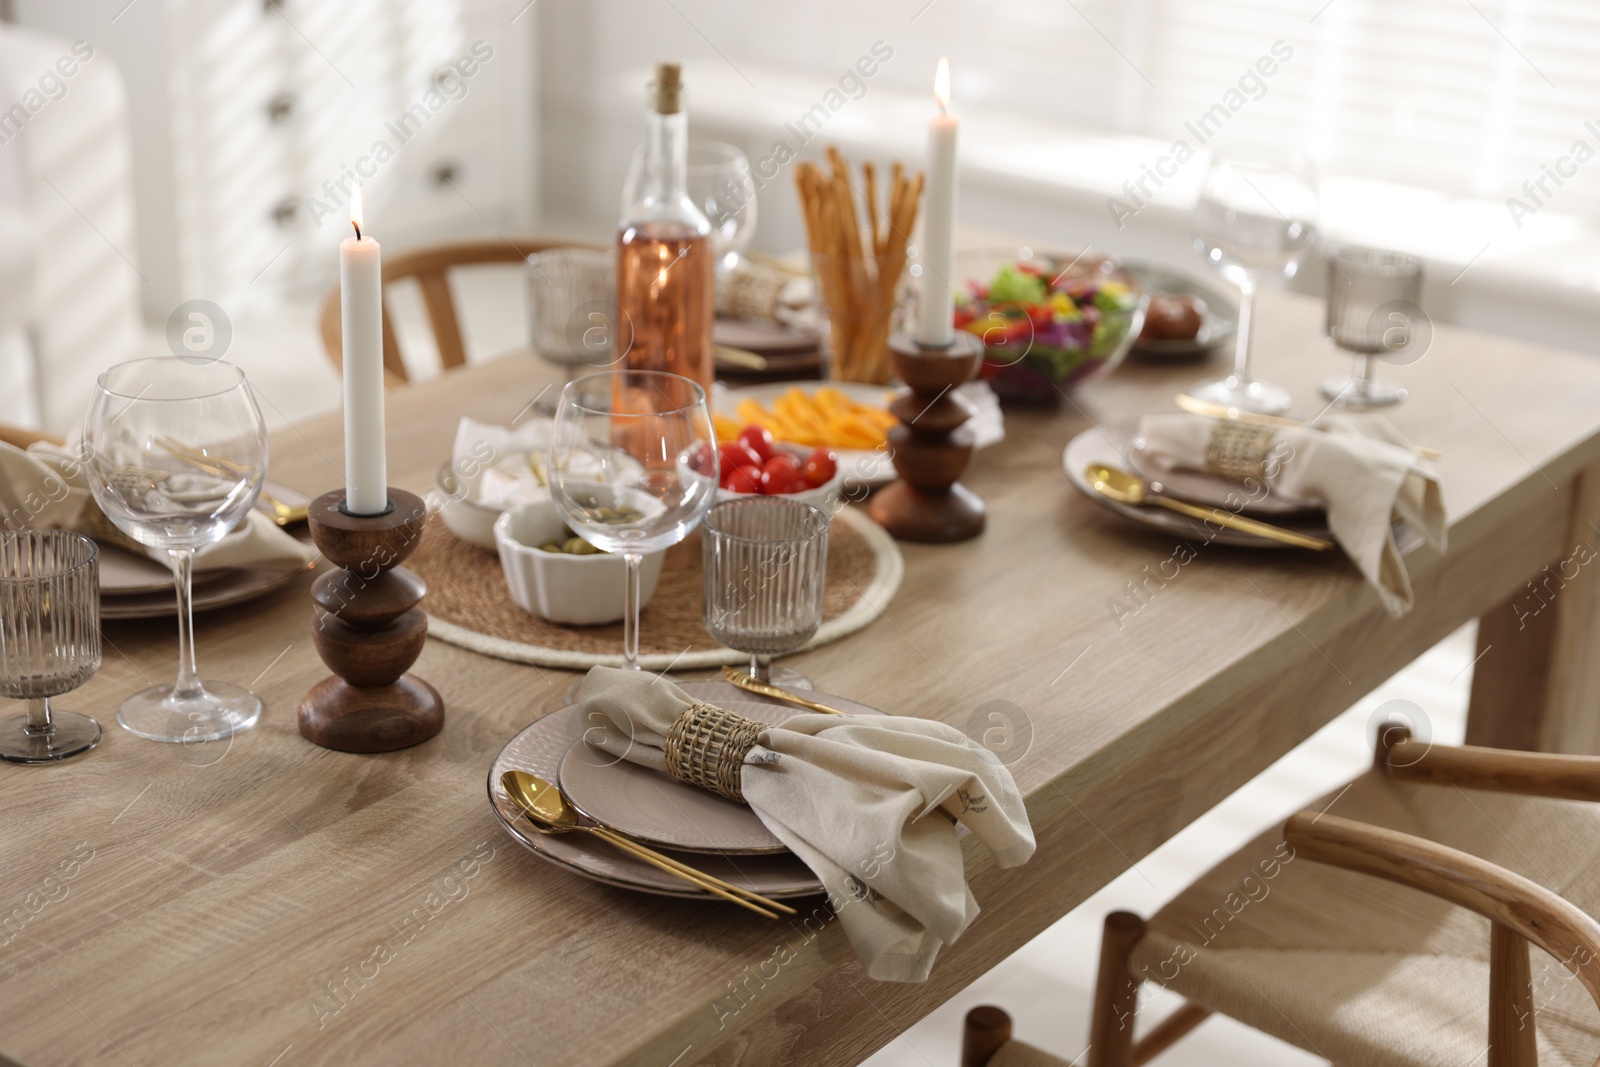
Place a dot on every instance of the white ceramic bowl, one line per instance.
(564, 588)
(463, 516)
(826, 496)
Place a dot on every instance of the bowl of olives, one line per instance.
(558, 576)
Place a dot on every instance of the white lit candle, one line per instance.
(939, 228)
(366, 477)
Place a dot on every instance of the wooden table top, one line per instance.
(227, 903)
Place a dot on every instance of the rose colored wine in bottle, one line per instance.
(664, 257)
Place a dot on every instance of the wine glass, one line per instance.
(1256, 217)
(721, 183)
(49, 640)
(766, 564)
(1372, 310)
(177, 452)
(632, 468)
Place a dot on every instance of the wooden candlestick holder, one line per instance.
(931, 445)
(368, 630)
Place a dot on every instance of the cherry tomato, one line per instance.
(703, 459)
(819, 468)
(757, 439)
(738, 454)
(780, 474)
(745, 479)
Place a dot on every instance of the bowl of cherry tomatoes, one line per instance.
(753, 464)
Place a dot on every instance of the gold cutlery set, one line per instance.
(550, 812)
(1129, 489)
(282, 513)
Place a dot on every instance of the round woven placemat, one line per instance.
(468, 604)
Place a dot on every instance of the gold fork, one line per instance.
(755, 685)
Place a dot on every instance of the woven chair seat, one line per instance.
(1366, 973)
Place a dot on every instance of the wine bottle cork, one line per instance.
(667, 90)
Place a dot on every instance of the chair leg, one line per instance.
(1116, 993)
(1168, 1032)
(1512, 1042)
(987, 1028)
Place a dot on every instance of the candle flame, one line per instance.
(941, 85)
(355, 210)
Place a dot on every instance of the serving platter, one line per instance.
(874, 467)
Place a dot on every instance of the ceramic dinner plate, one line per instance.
(865, 466)
(540, 749)
(1111, 444)
(765, 337)
(124, 572)
(1216, 329)
(221, 589)
(657, 808)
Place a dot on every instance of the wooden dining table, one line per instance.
(265, 901)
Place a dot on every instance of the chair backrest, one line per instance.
(431, 266)
(20, 437)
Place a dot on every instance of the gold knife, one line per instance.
(741, 357)
(1195, 406)
(1130, 489)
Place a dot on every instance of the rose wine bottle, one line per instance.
(664, 258)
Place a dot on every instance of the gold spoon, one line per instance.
(1125, 488)
(767, 689)
(550, 813)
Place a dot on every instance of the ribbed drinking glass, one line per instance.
(49, 640)
(766, 564)
(1372, 311)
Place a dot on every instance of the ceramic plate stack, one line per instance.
(718, 836)
(134, 586)
(1117, 444)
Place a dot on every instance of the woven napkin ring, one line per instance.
(751, 292)
(706, 747)
(1238, 450)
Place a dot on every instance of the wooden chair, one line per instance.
(20, 437)
(1359, 936)
(431, 267)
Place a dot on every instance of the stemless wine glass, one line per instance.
(49, 640)
(1256, 217)
(177, 452)
(721, 183)
(766, 564)
(632, 469)
(1372, 302)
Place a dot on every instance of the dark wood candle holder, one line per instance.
(368, 630)
(931, 445)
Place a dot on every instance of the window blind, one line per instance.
(1465, 97)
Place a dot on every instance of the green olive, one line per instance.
(550, 546)
(577, 546)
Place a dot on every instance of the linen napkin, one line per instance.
(862, 800)
(502, 465)
(46, 487)
(1360, 468)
